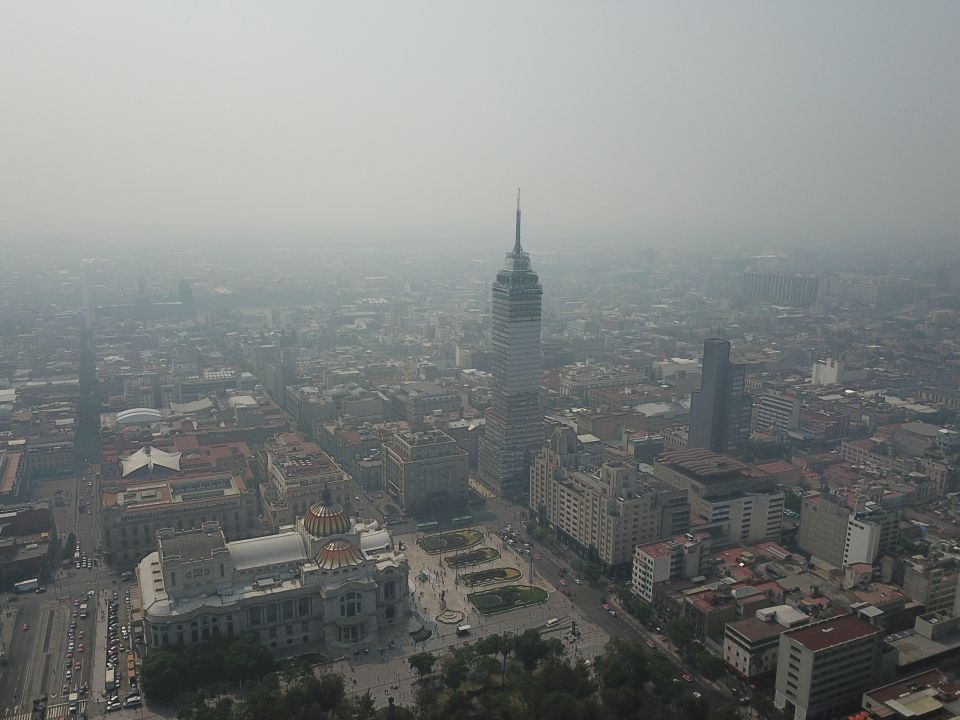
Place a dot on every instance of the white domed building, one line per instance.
(329, 580)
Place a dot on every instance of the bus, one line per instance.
(131, 668)
(83, 610)
(427, 526)
(463, 630)
(26, 585)
(110, 683)
(463, 520)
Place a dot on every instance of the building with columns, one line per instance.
(328, 579)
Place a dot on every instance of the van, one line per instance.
(463, 630)
(552, 621)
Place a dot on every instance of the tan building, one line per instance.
(932, 583)
(427, 468)
(607, 513)
(132, 516)
(300, 474)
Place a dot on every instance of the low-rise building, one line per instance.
(750, 645)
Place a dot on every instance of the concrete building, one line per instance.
(824, 668)
(823, 528)
(777, 412)
(423, 469)
(132, 516)
(325, 581)
(514, 428)
(837, 536)
(750, 646)
(784, 289)
(414, 401)
(735, 502)
(682, 557)
(604, 514)
(932, 583)
(720, 410)
(300, 474)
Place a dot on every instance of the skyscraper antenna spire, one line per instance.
(516, 244)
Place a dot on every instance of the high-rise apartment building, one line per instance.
(720, 411)
(514, 423)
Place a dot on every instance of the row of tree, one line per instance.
(502, 677)
(169, 672)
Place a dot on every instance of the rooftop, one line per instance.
(833, 632)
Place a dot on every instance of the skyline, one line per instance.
(626, 125)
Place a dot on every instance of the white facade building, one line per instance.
(327, 580)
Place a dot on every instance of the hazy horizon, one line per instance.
(263, 125)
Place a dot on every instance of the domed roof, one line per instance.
(337, 554)
(322, 520)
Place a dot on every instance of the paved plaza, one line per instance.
(387, 673)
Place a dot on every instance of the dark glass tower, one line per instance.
(720, 411)
(514, 422)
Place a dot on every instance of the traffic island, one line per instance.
(490, 602)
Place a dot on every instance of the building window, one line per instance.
(351, 604)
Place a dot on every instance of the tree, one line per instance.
(160, 675)
(591, 572)
(70, 546)
(364, 708)
(710, 665)
(423, 663)
(529, 648)
(454, 670)
(681, 632)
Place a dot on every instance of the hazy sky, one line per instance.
(287, 122)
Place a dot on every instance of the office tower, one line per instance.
(514, 428)
(720, 411)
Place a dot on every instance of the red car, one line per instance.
(565, 591)
(651, 644)
(606, 606)
(562, 581)
(537, 557)
(688, 677)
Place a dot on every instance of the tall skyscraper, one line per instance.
(514, 423)
(720, 411)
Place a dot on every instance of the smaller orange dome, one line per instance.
(337, 554)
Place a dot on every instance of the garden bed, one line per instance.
(490, 575)
(472, 557)
(450, 541)
(511, 597)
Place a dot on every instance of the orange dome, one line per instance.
(322, 520)
(337, 554)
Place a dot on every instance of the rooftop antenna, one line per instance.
(516, 245)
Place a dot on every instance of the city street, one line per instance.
(42, 650)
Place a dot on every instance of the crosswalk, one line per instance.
(54, 712)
